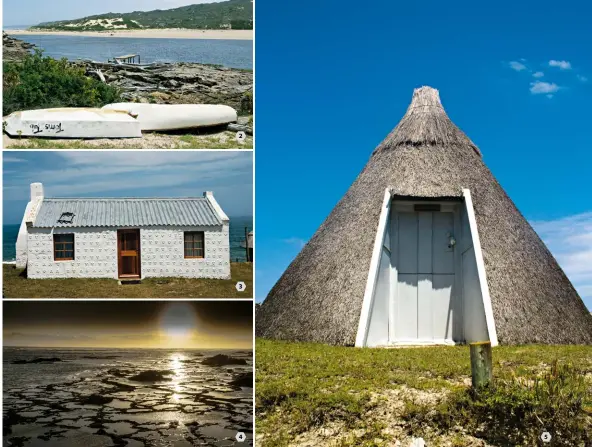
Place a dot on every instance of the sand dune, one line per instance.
(150, 33)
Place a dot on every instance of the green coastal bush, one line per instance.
(38, 82)
(246, 103)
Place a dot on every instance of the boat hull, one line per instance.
(161, 117)
(72, 123)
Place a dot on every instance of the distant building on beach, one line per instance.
(123, 238)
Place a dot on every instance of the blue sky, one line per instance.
(32, 12)
(228, 174)
(333, 78)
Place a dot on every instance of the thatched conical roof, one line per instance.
(319, 297)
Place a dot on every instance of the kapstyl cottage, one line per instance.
(123, 238)
(425, 248)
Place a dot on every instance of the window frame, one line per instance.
(193, 247)
(64, 250)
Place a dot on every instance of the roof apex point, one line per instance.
(425, 97)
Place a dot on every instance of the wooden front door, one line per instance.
(128, 249)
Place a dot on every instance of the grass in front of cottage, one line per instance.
(17, 286)
(313, 394)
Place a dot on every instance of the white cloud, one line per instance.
(570, 241)
(298, 242)
(145, 173)
(518, 66)
(563, 65)
(13, 160)
(540, 87)
(144, 158)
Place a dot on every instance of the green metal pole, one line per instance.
(481, 364)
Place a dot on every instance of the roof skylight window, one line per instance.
(66, 218)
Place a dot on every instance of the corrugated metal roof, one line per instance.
(126, 212)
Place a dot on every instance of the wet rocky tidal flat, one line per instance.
(126, 398)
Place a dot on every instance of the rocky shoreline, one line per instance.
(14, 49)
(177, 83)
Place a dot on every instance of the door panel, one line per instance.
(407, 243)
(424, 307)
(130, 241)
(443, 254)
(129, 265)
(424, 243)
(406, 327)
(442, 302)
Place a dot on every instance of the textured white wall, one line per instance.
(95, 254)
(162, 254)
(21, 239)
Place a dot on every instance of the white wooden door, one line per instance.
(424, 273)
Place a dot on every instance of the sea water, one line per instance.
(237, 235)
(194, 403)
(230, 53)
(9, 235)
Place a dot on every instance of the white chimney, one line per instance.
(210, 196)
(36, 191)
(22, 253)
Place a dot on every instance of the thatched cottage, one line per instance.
(425, 248)
(123, 238)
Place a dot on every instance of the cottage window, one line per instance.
(63, 247)
(194, 244)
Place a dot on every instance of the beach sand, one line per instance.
(149, 33)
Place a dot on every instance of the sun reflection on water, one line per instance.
(176, 365)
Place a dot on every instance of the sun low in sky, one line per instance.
(129, 324)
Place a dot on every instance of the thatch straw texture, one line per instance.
(319, 297)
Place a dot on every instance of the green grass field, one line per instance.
(312, 394)
(17, 286)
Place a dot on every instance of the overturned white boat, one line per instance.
(72, 123)
(177, 116)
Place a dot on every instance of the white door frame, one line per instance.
(454, 207)
(383, 221)
(483, 284)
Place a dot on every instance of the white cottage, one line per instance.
(123, 238)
